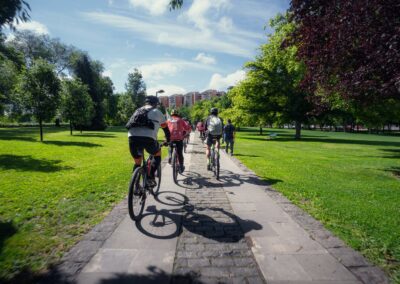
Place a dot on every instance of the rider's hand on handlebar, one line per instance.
(165, 143)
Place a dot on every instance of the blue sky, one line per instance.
(201, 46)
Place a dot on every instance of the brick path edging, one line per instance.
(351, 259)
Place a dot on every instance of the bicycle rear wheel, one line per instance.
(137, 195)
(157, 175)
(175, 165)
(216, 161)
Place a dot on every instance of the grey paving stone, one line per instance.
(370, 275)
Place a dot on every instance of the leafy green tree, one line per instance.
(13, 10)
(89, 72)
(136, 88)
(40, 88)
(34, 46)
(77, 104)
(8, 82)
(125, 109)
(271, 88)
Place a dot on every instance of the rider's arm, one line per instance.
(165, 128)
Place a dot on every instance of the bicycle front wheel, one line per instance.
(175, 166)
(216, 160)
(157, 175)
(137, 195)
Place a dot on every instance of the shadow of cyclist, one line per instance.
(222, 226)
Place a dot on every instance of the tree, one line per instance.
(34, 46)
(125, 109)
(271, 89)
(350, 47)
(13, 10)
(8, 81)
(136, 88)
(40, 87)
(89, 72)
(77, 104)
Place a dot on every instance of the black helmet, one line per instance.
(214, 111)
(175, 112)
(151, 100)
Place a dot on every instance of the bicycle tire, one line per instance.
(136, 195)
(175, 166)
(157, 175)
(217, 165)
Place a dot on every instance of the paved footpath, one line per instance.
(236, 230)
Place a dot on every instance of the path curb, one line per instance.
(80, 254)
(351, 259)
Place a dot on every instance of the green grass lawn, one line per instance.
(51, 193)
(350, 182)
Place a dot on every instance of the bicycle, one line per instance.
(185, 142)
(138, 187)
(214, 159)
(175, 162)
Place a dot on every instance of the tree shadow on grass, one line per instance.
(96, 135)
(395, 171)
(391, 153)
(242, 155)
(18, 138)
(72, 143)
(7, 229)
(27, 163)
(327, 140)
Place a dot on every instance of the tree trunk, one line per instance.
(298, 130)
(41, 130)
(261, 129)
(70, 126)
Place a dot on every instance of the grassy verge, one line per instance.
(53, 192)
(350, 182)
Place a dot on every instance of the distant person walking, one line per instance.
(229, 136)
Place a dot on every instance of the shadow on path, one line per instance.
(193, 180)
(210, 222)
(27, 163)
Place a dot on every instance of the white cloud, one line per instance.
(110, 2)
(167, 68)
(205, 59)
(154, 7)
(33, 26)
(219, 82)
(163, 32)
(168, 90)
(199, 9)
(107, 73)
(158, 71)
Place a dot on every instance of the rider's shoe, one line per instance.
(181, 169)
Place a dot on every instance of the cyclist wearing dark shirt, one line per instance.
(229, 136)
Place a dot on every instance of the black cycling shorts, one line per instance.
(138, 143)
(212, 138)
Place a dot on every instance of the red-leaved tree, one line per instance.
(350, 47)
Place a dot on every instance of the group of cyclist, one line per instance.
(143, 128)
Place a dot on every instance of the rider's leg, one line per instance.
(232, 142)
(156, 163)
(179, 148)
(136, 151)
(169, 153)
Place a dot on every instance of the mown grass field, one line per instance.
(350, 182)
(51, 193)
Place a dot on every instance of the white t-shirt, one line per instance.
(154, 115)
